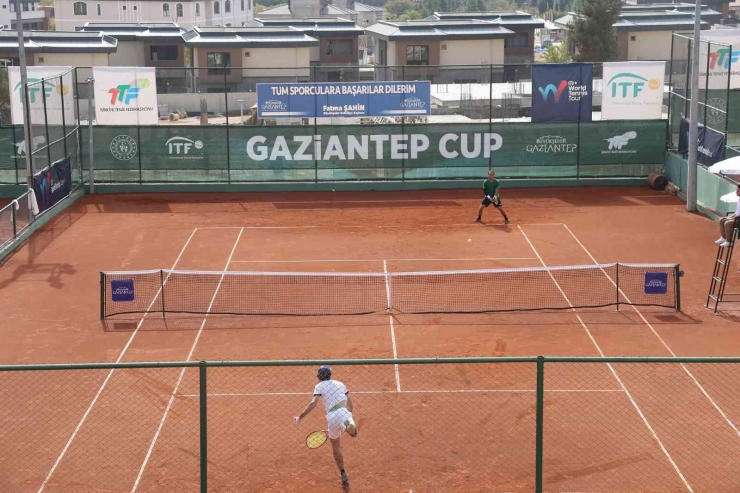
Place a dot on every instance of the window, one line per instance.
(41, 59)
(100, 9)
(25, 7)
(178, 10)
(12, 6)
(165, 10)
(135, 7)
(339, 47)
(247, 54)
(164, 53)
(80, 8)
(242, 2)
(521, 40)
(216, 8)
(417, 55)
(197, 10)
(633, 38)
(228, 24)
(227, 6)
(124, 7)
(217, 60)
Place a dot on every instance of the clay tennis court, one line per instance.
(453, 427)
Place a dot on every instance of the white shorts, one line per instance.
(336, 419)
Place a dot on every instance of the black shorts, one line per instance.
(486, 202)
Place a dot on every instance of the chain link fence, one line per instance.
(469, 424)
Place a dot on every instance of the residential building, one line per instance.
(337, 55)
(52, 48)
(33, 14)
(158, 45)
(734, 11)
(71, 14)
(648, 35)
(518, 49)
(430, 49)
(239, 58)
(720, 6)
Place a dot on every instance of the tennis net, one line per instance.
(321, 293)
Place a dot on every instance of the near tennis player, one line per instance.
(491, 196)
(338, 413)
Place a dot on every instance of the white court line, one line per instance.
(463, 391)
(110, 373)
(182, 372)
(377, 260)
(332, 226)
(652, 329)
(258, 227)
(611, 368)
(393, 331)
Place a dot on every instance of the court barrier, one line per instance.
(709, 186)
(448, 424)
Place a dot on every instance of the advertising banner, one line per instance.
(125, 96)
(57, 93)
(52, 184)
(633, 91)
(562, 92)
(711, 147)
(720, 55)
(349, 100)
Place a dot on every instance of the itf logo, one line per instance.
(122, 290)
(556, 91)
(722, 57)
(656, 283)
(628, 85)
(182, 145)
(35, 90)
(125, 93)
(619, 141)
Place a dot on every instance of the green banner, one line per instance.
(352, 152)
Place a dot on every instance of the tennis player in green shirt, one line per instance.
(490, 189)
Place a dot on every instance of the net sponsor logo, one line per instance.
(656, 283)
(122, 290)
(627, 85)
(551, 144)
(377, 146)
(179, 147)
(123, 147)
(576, 91)
(618, 142)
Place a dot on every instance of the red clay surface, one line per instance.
(656, 428)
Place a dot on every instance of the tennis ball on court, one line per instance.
(470, 241)
(333, 190)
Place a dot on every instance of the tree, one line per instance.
(592, 30)
(557, 52)
(402, 10)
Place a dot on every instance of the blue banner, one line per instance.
(347, 100)
(656, 282)
(122, 290)
(562, 92)
(711, 144)
(52, 184)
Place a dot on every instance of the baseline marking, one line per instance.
(110, 373)
(463, 391)
(393, 332)
(655, 333)
(182, 372)
(377, 259)
(611, 368)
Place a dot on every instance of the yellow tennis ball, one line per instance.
(653, 84)
(470, 241)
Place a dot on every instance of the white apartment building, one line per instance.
(71, 14)
(32, 13)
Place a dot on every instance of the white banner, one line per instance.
(125, 95)
(720, 54)
(633, 91)
(56, 91)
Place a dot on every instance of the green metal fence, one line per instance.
(455, 424)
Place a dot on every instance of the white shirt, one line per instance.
(332, 392)
(737, 209)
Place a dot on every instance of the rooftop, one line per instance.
(507, 19)
(320, 26)
(245, 37)
(132, 31)
(439, 29)
(59, 42)
(656, 19)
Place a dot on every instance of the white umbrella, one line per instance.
(730, 198)
(727, 167)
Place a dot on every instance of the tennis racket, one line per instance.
(316, 439)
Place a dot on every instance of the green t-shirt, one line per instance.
(491, 187)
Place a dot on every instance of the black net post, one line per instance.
(102, 295)
(678, 275)
(616, 283)
(161, 287)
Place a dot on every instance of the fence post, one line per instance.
(12, 214)
(578, 149)
(490, 114)
(161, 287)
(539, 425)
(46, 124)
(64, 122)
(669, 130)
(617, 285)
(228, 151)
(203, 430)
(138, 143)
(315, 134)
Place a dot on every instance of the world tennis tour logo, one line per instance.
(556, 91)
(125, 93)
(628, 85)
(576, 91)
(656, 282)
(122, 290)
